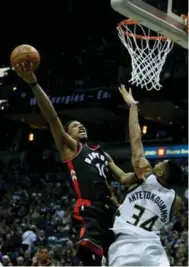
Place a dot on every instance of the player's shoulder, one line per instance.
(133, 187)
(137, 184)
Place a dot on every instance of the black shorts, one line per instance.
(92, 220)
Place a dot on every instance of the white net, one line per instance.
(148, 54)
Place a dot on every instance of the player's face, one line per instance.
(77, 131)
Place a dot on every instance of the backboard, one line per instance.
(151, 14)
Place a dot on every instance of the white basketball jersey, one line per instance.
(145, 210)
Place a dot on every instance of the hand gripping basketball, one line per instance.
(25, 71)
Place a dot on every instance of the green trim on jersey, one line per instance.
(133, 187)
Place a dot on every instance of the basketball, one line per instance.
(25, 52)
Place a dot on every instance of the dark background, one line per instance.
(80, 51)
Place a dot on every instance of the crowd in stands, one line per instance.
(35, 217)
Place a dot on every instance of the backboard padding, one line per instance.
(152, 18)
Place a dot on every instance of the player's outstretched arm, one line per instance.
(126, 179)
(61, 138)
(139, 162)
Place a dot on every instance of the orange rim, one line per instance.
(185, 17)
(133, 22)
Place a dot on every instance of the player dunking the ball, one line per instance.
(147, 207)
(89, 168)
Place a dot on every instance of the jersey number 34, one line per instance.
(148, 224)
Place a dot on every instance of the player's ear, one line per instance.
(159, 172)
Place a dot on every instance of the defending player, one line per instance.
(89, 169)
(148, 205)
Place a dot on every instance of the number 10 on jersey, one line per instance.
(101, 169)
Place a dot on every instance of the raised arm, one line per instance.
(61, 138)
(137, 149)
(139, 161)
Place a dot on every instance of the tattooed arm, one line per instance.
(139, 161)
(135, 136)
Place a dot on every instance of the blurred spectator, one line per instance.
(42, 258)
(28, 237)
(6, 261)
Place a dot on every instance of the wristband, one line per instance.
(33, 84)
(133, 104)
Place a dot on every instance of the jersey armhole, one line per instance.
(79, 148)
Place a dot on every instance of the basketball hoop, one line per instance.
(148, 53)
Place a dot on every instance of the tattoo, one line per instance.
(135, 133)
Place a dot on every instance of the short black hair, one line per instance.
(43, 247)
(67, 125)
(175, 173)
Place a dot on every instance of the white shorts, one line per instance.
(137, 252)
